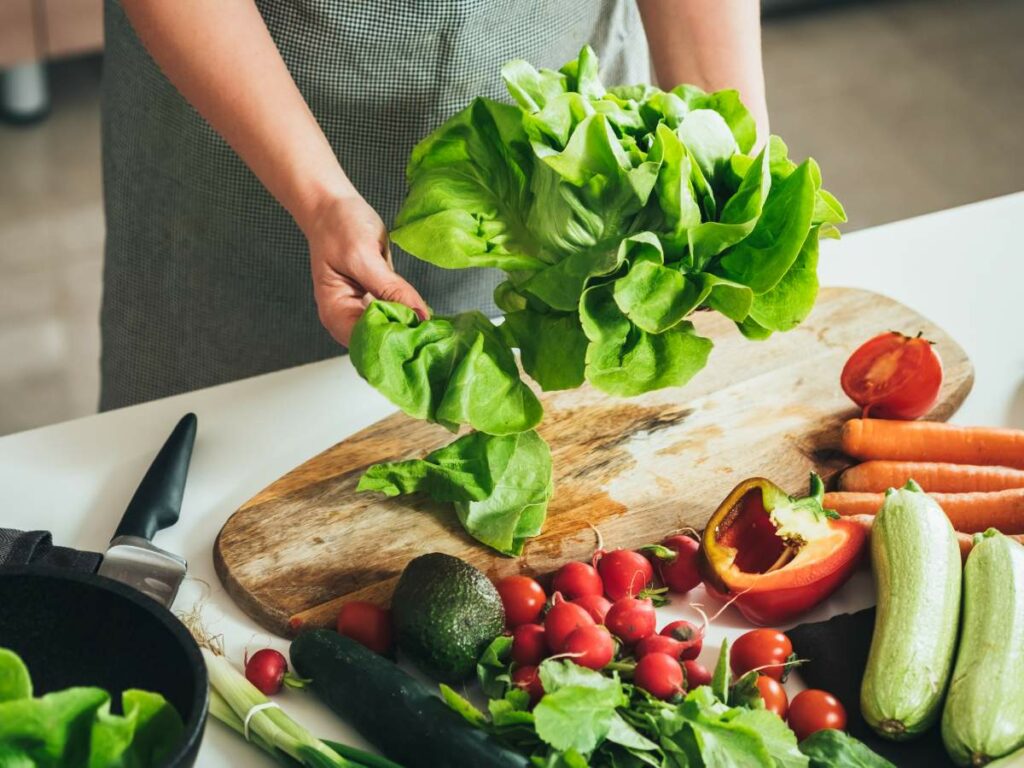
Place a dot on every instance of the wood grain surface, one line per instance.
(635, 469)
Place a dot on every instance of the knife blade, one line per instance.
(132, 558)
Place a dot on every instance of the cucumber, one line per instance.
(916, 562)
(397, 713)
(984, 713)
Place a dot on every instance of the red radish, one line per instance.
(679, 573)
(624, 573)
(631, 619)
(576, 579)
(596, 605)
(689, 635)
(562, 619)
(658, 644)
(660, 675)
(367, 624)
(528, 679)
(529, 648)
(266, 669)
(696, 674)
(523, 599)
(590, 647)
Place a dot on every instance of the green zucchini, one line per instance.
(984, 713)
(402, 717)
(916, 562)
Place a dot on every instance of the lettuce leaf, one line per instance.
(500, 485)
(454, 371)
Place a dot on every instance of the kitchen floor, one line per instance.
(910, 106)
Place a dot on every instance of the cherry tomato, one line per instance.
(814, 710)
(265, 669)
(660, 675)
(680, 574)
(528, 679)
(765, 650)
(774, 695)
(523, 599)
(624, 573)
(690, 636)
(576, 579)
(596, 605)
(696, 674)
(658, 644)
(367, 624)
(590, 647)
(561, 621)
(631, 619)
(529, 647)
(893, 376)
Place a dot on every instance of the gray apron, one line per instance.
(206, 276)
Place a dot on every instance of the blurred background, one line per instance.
(910, 106)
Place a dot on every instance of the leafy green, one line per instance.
(834, 749)
(615, 214)
(75, 727)
(500, 485)
(450, 370)
(492, 669)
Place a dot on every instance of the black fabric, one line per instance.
(837, 653)
(36, 548)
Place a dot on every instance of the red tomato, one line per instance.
(596, 605)
(660, 675)
(528, 679)
(624, 573)
(814, 710)
(561, 621)
(590, 647)
(367, 624)
(523, 599)
(529, 648)
(893, 376)
(658, 644)
(774, 695)
(576, 579)
(631, 619)
(690, 637)
(696, 674)
(680, 574)
(765, 650)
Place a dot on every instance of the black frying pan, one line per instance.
(79, 628)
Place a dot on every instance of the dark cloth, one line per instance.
(36, 548)
(837, 653)
(206, 277)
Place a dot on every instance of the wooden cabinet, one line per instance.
(72, 26)
(18, 32)
(32, 30)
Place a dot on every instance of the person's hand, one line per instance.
(351, 264)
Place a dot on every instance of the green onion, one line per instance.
(269, 728)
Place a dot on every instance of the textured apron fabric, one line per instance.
(206, 276)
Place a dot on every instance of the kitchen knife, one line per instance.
(132, 558)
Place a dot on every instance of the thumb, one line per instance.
(379, 280)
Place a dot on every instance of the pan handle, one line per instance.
(157, 501)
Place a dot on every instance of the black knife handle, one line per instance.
(157, 501)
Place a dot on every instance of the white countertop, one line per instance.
(962, 268)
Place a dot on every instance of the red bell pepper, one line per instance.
(777, 555)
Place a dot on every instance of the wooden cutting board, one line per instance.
(635, 469)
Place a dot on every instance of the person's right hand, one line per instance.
(351, 264)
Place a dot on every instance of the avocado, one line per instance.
(446, 612)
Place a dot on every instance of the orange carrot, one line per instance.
(933, 441)
(877, 476)
(968, 512)
(964, 540)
